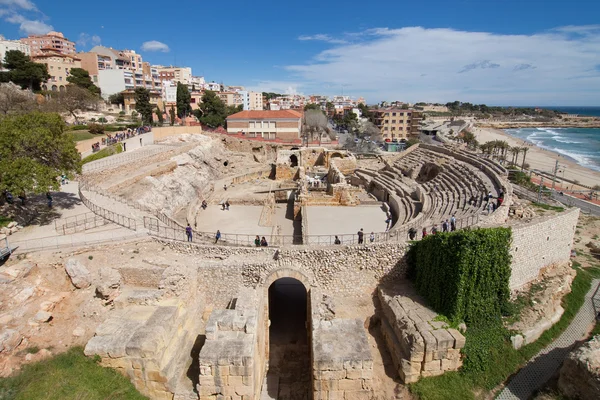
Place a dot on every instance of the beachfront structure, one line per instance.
(397, 123)
(59, 66)
(284, 125)
(52, 41)
(8, 45)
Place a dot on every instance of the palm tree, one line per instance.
(515, 151)
(524, 150)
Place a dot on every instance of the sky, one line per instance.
(497, 52)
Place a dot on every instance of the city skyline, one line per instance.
(497, 54)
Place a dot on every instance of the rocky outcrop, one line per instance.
(580, 373)
(78, 273)
(110, 281)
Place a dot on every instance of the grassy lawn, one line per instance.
(84, 135)
(4, 221)
(506, 360)
(105, 152)
(67, 376)
(548, 207)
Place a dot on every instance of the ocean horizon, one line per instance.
(581, 145)
(579, 110)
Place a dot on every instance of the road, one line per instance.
(586, 207)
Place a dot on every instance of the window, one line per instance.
(387, 121)
(385, 128)
(401, 128)
(393, 128)
(401, 114)
(60, 78)
(51, 67)
(266, 124)
(393, 114)
(393, 121)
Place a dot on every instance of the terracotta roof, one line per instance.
(267, 114)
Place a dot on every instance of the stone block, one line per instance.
(444, 339)
(367, 364)
(427, 374)
(416, 356)
(352, 364)
(438, 325)
(207, 380)
(244, 390)
(350, 384)
(409, 378)
(335, 395)
(222, 370)
(235, 381)
(367, 384)
(206, 390)
(449, 365)
(429, 340)
(354, 373)
(155, 376)
(367, 374)
(435, 365)
(332, 374)
(205, 370)
(459, 339)
(410, 368)
(247, 380)
(327, 384)
(453, 354)
(440, 354)
(358, 395)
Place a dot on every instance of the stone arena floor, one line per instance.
(327, 220)
(241, 219)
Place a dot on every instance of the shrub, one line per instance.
(96, 129)
(464, 275)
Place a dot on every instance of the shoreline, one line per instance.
(540, 158)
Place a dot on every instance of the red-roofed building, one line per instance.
(282, 125)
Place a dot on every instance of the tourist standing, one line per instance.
(263, 242)
(424, 233)
(412, 233)
(257, 241)
(227, 205)
(453, 223)
(372, 237)
(217, 236)
(337, 240)
(445, 226)
(141, 145)
(434, 230)
(388, 221)
(188, 232)
(360, 236)
(49, 198)
(225, 187)
(490, 206)
(124, 146)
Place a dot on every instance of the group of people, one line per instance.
(96, 147)
(448, 225)
(260, 242)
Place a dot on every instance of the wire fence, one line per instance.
(155, 228)
(78, 223)
(112, 216)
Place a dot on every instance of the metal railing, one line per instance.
(78, 223)
(67, 241)
(123, 158)
(112, 216)
(247, 240)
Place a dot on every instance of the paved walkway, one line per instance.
(545, 364)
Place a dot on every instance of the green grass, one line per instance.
(504, 359)
(4, 221)
(105, 152)
(548, 207)
(68, 376)
(84, 135)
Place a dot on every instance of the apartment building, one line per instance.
(7, 45)
(129, 99)
(252, 100)
(177, 74)
(59, 66)
(52, 41)
(397, 123)
(213, 86)
(284, 125)
(231, 98)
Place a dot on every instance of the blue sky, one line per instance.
(504, 52)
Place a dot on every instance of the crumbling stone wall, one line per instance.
(540, 243)
(420, 346)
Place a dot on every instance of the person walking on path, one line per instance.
(424, 233)
(225, 187)
(141, 145)
(434, 230)
(188, 233)
(227, 205)
(360, 236)
(217, 236)
(445, 226)
(372, 237)
(412, 233)
(453, 223)
(263, 242)
(257, 241)
(124, 146)
(337, 240)
(388, 221)
(49, 198)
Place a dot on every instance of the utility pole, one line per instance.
(540, 190)
(555, 171)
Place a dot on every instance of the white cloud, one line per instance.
(322, 38)
(283, 87)
(418, 64)
(85, 39)
(23, 4)
(31, 27)
(155, 45)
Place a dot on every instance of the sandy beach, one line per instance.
(541, 159)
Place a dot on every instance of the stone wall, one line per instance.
(419, 345)
(341, 360)
(166, 131)
(541, 243)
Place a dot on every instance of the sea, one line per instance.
(581, 145)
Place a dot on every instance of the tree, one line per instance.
(184, 99)
(172, 115)
(34, 151)
(212, 111)
(364, 110)
(524, 150)
(159, 115)
(24, 72)
(117, 98)
(365, 138)
(15, 100)
(312, 106)
(315, 124)
(74, 98)
(142, 105)
(80, 77)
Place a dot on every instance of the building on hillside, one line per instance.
(213, 86)
(433, 108)
(252, 100)
(59, 66)
(129, 99)
(397, 123)
(284, 125)
(8, 45)
(176, 74)
(196, 83)
(52, 41)
(231, 98)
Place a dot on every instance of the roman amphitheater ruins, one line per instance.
(227, 318)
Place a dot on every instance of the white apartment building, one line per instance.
(177, 74)
(212, 86)
(252, 101)
(7, 45)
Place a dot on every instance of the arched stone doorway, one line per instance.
(293, 161)
(288, 336)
